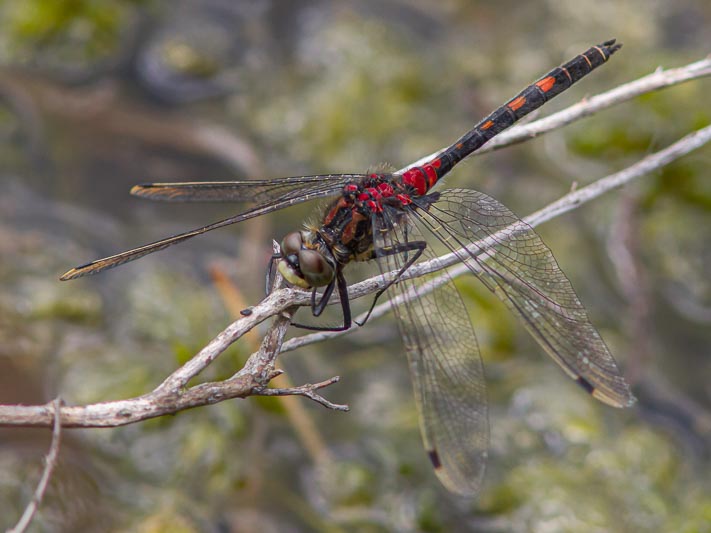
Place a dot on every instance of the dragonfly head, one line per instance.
(302, 264)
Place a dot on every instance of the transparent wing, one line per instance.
(444, 361)
(257, 191)
(520, 269)
(274, 194)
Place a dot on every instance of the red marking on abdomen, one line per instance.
(515, 104)
(416, 179)
(546, 84)
(487, 125)
(431, 175)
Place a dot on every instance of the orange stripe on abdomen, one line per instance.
(546, 84)
(516, 103)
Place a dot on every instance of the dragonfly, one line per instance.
(388, 218)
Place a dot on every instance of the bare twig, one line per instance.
(308, 390)
(174, 394)
(301, 420)
(294, 408)
(50, 462)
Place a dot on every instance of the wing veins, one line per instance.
(115, 260)
(446, 369)
(610, 386)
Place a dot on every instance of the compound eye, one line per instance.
(315, 268)
(291, 244)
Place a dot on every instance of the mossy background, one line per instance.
(96, 96)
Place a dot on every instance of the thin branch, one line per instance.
(173, 394)
(298, 416)
(308, 390)
(50, 462)
(659, 79)
(277, 302)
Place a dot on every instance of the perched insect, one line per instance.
(385, 217)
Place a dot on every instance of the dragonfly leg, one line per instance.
(318, 307)
(415, 246)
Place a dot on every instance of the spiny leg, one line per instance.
(417, 246)
(318, 307)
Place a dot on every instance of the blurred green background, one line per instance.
(98, 95)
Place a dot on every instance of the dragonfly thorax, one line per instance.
(305, 261)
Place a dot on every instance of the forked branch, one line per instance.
(308, 390)
(50, 461)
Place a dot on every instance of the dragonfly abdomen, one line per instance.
(425, 176)
(532, 97)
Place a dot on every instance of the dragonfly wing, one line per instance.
(286, 198)
(257, 191)
(514, 263)
(444, 361)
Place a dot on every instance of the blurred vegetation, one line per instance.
(63, 35)
(96, 96)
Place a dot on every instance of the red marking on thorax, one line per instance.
(385, 189)
(404, 199)
(546, 84)
(350, 228)
(342, 203)
(516, 103)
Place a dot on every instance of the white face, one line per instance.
(302, 266)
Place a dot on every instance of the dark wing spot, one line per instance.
(246, 312)
(585, 384)
(76, 272)
(434, 457)
(85, 265)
